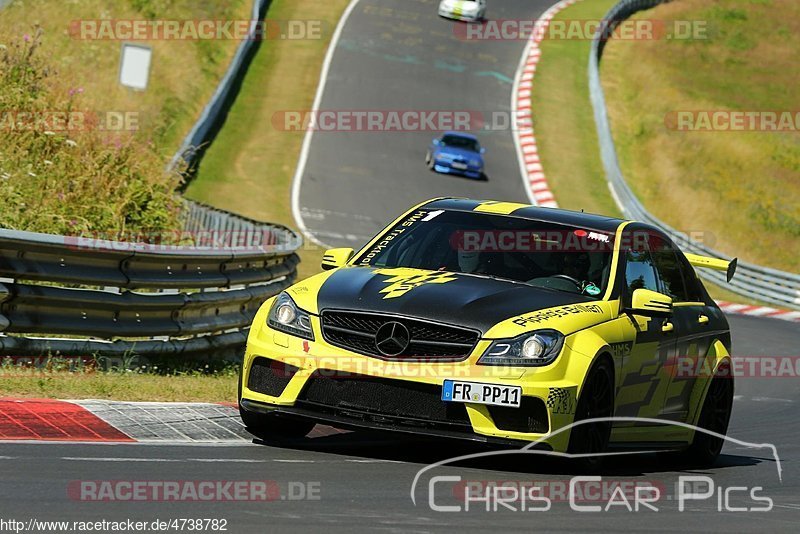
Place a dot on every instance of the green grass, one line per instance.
(183, 72)
(564, 121)
(90, 180)
(566, 131)
(249, 167)
(57, 379)
(742, 188)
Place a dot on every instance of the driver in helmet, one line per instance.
(576, 265)
(473, 261)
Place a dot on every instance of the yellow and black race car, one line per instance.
(496, 321)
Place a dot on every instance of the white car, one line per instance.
(468, 10)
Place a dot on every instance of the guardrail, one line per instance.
(216, 108)
(117, 299)
(752, 281)
(125, 299)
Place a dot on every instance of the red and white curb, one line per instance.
(124, 422)
(53, 420)
(759, 311)
(522, 108)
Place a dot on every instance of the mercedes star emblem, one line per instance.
(392, 338)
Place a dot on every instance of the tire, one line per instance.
(270, 426)
(429, 161)
(596, 400)
(714, 416)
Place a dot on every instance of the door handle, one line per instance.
(667, 327)
(702, 319)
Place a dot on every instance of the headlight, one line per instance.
(475, 163)
(531, 349)
(287, 317)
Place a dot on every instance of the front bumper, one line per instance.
(350, 423)
(446, 167)
(408, 397)
(460, 15)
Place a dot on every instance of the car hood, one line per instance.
(466, 6)
(458, 152)
(471, 301)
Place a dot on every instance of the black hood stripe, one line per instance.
(444, 297)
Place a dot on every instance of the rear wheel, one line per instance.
(596, 401)
(429, 161)
(714, 416)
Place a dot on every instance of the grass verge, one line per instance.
(564, 121)
(742, 188)
(565, 127)
(183, 73)
(62, 379)
(249, 167)
(79, 153)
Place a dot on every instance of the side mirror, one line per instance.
(336, 257)
(650, 303)
(435, 142)
(483, 150)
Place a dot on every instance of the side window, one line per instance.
(669, 271)
(639, 271)
(694, 291)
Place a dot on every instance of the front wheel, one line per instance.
(596, 401)
(714, 416)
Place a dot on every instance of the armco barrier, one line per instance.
(118, 298)
(217, 107)
(752, 281)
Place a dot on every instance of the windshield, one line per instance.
(457, 141)
(536, 253)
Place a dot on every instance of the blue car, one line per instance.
(456, 153)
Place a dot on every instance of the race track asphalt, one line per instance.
(400, 56)
(364, 480)
(352, 185)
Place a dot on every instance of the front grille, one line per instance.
(368, 398)
(356, 331)
(269, 377)
(530, 417)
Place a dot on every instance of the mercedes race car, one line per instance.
(499, 322)
(466, 10)
(456, 153)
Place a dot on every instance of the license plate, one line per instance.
(460, 166)
(479, 393)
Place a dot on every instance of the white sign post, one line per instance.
(134, 66)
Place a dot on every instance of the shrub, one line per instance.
(61, 170)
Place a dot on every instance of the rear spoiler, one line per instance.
(714, 263)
